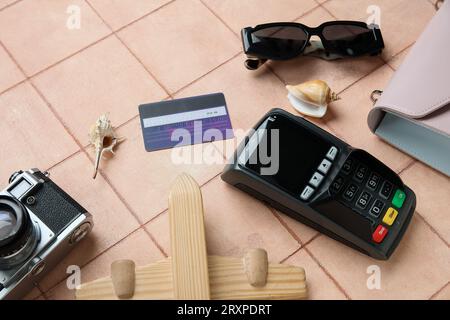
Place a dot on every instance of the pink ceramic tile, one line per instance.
(118, 13)
(112, 220)
(432, 191)
(320, 286)
(444, 294)
(10, 74)
(234, 222)
(4, 3)
(144, 178)
(32, 295)
(249, 95)
(180, 50)
(137, 247)
(419, 267)
(37, 35)
(104, 78)
(301, 231)
(339, 74)
(228, 147)
(397, 60)
(239, 14)
(31, 135)
(60, 292)
(401, 22)
(348, 118)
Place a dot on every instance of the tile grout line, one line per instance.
(15, 85)
(167, 208)
(128, 49)
(433, 230)
(58, 62)
(285, 226)
(10, 5)
(153, 239)
(143, 227)
(409, 165)
(439, 291)
(95, 257)
(56, 164)
(83, 151)
(303, 244)
(363, 77)
(331, 127)
(124, 202)
(336, 283)
(27, 77)
(221, 153)
(81, 148)
(327, 10)
(42, 97)
(290, 255)
(206, 74)
(399, 53)
(142, 17)
(220, 19)
(43, 293)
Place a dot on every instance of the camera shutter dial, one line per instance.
(80, 233)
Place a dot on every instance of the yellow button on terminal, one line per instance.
(390, 216)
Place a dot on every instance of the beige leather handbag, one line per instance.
(413, 112)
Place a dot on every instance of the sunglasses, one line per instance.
(287, 40)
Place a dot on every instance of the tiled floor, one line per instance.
(55, 81)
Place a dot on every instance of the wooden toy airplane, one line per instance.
(190, 274)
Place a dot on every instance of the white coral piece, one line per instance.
(103, 138)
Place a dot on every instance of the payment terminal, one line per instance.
(323, 182)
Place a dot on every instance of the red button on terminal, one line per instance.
(379, 234)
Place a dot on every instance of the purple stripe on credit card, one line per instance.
(185, 121)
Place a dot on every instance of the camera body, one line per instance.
(39, 225)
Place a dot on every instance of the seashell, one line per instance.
(315, 92)
(311, 98)
(103, 138)
(307, 109)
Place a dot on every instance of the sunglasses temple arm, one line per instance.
(254, 63)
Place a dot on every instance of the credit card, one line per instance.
(186, 121)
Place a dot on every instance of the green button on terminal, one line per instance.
(399, 198)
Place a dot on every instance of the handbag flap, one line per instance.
(420, 89)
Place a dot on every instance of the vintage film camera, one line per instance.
(39, 225)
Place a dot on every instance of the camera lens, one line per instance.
(8, 221)
(18, 235)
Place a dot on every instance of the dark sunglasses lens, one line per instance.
(349, 40)
(278, 42)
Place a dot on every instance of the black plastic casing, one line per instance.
(54, 206)
(324, 212)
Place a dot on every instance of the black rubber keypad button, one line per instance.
(337, 184)
(377, 208)
(347, 167)
(374, 181)
(363, 200)
(350, 192)
(386, 189)
(360, 173)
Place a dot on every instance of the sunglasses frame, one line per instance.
(257, 59)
